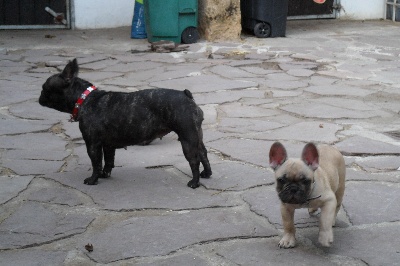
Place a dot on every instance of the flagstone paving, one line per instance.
(333, 82)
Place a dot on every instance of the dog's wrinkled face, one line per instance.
(52, 94)
(294, 177)
(293, 182)
(55, 91)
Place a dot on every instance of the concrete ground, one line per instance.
(328, 81)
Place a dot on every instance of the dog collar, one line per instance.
(79, 102)
(312, 190)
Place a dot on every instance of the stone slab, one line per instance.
(185, 259)
(300, 72)
(245, 150)
(11, 186)
(378, 245)
(33, 167)
(286, 85)
(7, 70)
(56, 195)
(333, 90)
(140, 188)
(318, 110)
(266, 252)
(231, 72)
(240, 110)
(71, 130)
(281, 77)
(210, 114)
(94, 77)
(361, 146)
(35, 141)
(219, 97)
(388, 76)
(33, 110)
(145, 75)
(10, 97)
(250, 150)
(97, 65)
(321, 80)
(17, 126)
(379, 163)
(167, 151)
(246, 125)
(204, 83)
(90, 58)
(36, 155)
(265, 202)
(233, 176)
(359, 175)
(258, 70)
(176, 74)
(319, 132)
(382, 198)
(359, 104)
(35, 224)
(132, 67)
(121, 82)
(24, 79)
(161, 235)
(32, 257)
(285, 94)
(304, 65)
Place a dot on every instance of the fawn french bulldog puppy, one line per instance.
(113, 120)
(317, 180)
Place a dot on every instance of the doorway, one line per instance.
(34, 14)
(308, 9)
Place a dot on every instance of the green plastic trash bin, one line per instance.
(171, 20)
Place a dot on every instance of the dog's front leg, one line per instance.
(95, 152)
(326, 222)
(109, 157)
(288, 240)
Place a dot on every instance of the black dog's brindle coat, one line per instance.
(113, 120)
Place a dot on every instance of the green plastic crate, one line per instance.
(171, 20)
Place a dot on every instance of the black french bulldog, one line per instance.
(113, 120)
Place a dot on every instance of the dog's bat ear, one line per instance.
(310, 156)
(277, 155)
(71, 70)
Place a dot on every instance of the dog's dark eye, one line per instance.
(282, 179)
(305, 181)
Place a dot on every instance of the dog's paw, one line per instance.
(105, 174)
(90, 181)
(287, 241)
(205, 174)
(193, 184)
(325, 238)
(314, 211)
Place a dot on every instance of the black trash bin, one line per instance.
(265, 18)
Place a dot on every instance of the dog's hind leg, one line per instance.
(191, 151)
(206, 173)
(109, 156)
(95, 153)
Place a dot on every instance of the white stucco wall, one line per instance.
(92, 14)
(362, 9)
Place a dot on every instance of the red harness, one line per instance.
(79, 102)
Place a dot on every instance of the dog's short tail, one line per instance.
(188, 94)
